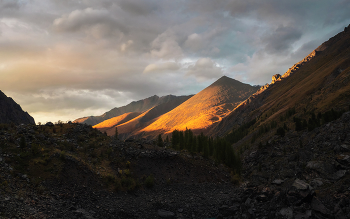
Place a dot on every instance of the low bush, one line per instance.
(149, 182)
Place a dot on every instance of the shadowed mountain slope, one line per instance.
(203, 109)
(11, 112)
(316, 84)
(135, 106)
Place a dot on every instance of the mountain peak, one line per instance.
(204, 109)
(226, 81)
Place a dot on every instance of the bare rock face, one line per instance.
(11, 112)
(276, 77)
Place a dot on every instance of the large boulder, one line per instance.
(300, 192)
(326, 169)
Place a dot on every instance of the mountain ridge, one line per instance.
(135, 106)
(203, 109)
(142, 119)
(11, 112)
(302, 85)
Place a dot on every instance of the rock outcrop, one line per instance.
(11, 112)
(276, 77)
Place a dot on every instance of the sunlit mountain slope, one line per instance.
(204, 109)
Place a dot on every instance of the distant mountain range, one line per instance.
(161, 115)
(131, 122)
(135, 107)
(11, 112)
(204, 109)
(317, 83)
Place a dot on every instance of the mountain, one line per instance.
(132, 122)
(11, 112)
(115, 121)
(270, 168)
(204, 109)
(316, 84)
(135, 106)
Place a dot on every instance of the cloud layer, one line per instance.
(64, 59)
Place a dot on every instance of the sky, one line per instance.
(64, 59)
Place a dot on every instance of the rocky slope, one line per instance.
(204, 109)
(136, 106)
(11, 112)
(316, 84)
(301, 175)
(73, 170)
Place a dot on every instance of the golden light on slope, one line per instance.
(205, 108)
(109, 123)
(126, 125)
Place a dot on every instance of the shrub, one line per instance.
(35, 149)
(63, 155)
(110, 178)
(235, 179)
(116, 133)
(22, 142)
(149, 182)
(127, 172)
(128, 183)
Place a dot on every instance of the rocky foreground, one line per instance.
(300, 175)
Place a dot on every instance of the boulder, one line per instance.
(338, 175)
(301, 185)
(324, 168)
(287, 212)
(341, 148)
(317, 205)
(305, 215)
(300, 192)
(344, 159)
(278, 181)
(316, 183)
(165, 214)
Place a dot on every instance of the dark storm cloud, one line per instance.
(281, 40)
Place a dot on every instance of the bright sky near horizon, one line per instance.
(62, 59)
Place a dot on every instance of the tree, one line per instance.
(116, 133)
(175, 139)
(160, 141)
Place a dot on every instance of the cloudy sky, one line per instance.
(64, 59)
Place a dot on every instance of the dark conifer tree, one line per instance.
(160, 141)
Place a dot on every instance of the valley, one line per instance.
(288, 156)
